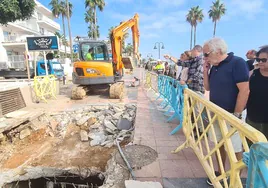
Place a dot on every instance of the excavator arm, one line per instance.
(116, 40)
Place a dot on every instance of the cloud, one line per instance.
(246, 8)
(172, 21)
(249, 6)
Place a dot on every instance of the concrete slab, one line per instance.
(139, 184)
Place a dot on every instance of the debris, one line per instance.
(82, 120)
(24, 133)
(91, 121)
(84, 136)
(124, 124)
(2, 137)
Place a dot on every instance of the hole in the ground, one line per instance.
(64, 181)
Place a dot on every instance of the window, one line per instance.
(42, 31)
(99, 51)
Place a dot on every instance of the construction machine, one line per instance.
(96, 69)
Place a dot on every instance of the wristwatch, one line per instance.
(238, 115)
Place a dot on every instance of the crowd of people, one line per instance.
(233, 84)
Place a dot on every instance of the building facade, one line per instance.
(13, 36)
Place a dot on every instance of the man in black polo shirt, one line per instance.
(228, 84)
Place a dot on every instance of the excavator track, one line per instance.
(79, 92)
(117, 90)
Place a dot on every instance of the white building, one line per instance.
(13, 36)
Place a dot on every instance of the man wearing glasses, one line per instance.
(195, 73)
(227, 78)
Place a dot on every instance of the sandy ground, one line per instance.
(40, 149)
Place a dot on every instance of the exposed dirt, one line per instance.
(41, 150)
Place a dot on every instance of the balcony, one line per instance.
(13, 39)
(48, 23)
(18, 62)
(21, 27)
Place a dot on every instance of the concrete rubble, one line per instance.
(115, 175)
(101, 124)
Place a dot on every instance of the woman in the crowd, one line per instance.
(257, 106)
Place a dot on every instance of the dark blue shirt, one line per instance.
(223, 79)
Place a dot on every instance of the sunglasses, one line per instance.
(263, 60)
(206, 54)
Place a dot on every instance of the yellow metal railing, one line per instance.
(200, 122)
(45, 87)
(151, 80)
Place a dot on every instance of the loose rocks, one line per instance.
(101, 124)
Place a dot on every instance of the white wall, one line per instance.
(3, 53)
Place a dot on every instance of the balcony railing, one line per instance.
(16, 61)
(48, 21)
(10, 38)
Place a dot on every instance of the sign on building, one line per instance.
(43, 43)
(75, 48)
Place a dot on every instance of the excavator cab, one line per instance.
(95, 66)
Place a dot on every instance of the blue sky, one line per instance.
(243, 27)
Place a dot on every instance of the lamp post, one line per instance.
(159, 47)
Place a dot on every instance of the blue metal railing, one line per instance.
(257, 162)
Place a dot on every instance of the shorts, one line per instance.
(235, 138)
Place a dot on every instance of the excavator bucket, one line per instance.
(128, 62)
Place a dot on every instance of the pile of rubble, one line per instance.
(100, 125)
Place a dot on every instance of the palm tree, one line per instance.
(129, 49)
(194, 16)
(217, 10)
(69, 8)
(57, 10)
(125, 36)
(189, 18)
(62, 39)
(198, 17)
(94, 4)
(89, 18)
(110, 32)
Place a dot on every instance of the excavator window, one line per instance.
(98, 51)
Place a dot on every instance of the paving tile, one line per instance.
(197, 169)
(145, 130)
(166, 137)
(165, 143)
(165, 153)
(150, 171)
(189, 154)
(175, 169)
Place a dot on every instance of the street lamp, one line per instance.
(159, 47)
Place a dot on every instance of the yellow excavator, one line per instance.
(95, 69)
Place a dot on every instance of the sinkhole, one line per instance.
(60, 181)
